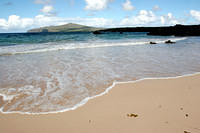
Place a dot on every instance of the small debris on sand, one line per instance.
(186, 132)
(132, 115)
(186, 115)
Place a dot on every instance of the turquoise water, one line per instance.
(41, 73)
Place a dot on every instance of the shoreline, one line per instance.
(152, 105)
(87, 99)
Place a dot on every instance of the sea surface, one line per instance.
(53, 72)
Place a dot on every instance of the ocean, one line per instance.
(55, 72)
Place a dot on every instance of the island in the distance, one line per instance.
(70, 27)
(177, 30)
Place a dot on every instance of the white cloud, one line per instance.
(195, 14)
(96, 5)
(47, 9)
(3, 24)
(43, 2)
(168, 19)
(15, 22)
(143, 18)
(156, 8)
(148, 18)
(43, 20)
(96, 22)
(127, 6)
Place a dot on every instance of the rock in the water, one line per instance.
(169, 42)
(152, 43)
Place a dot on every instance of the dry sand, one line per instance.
(162, 106)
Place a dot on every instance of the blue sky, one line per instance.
(20, 15)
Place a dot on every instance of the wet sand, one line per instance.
(147, 106)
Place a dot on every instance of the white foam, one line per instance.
(7, 98)
(84, 101)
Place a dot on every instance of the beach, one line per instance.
(99, 66)
(150, 105)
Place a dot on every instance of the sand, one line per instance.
(147, 106)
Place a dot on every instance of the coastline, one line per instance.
(162, 105)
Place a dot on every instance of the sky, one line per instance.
(21, 15)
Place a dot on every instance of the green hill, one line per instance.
(70, 27)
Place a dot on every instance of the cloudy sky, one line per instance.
(20, 15)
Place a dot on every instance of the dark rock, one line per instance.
(152, 43)
(169, 42)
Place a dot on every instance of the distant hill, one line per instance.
(70, 27)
